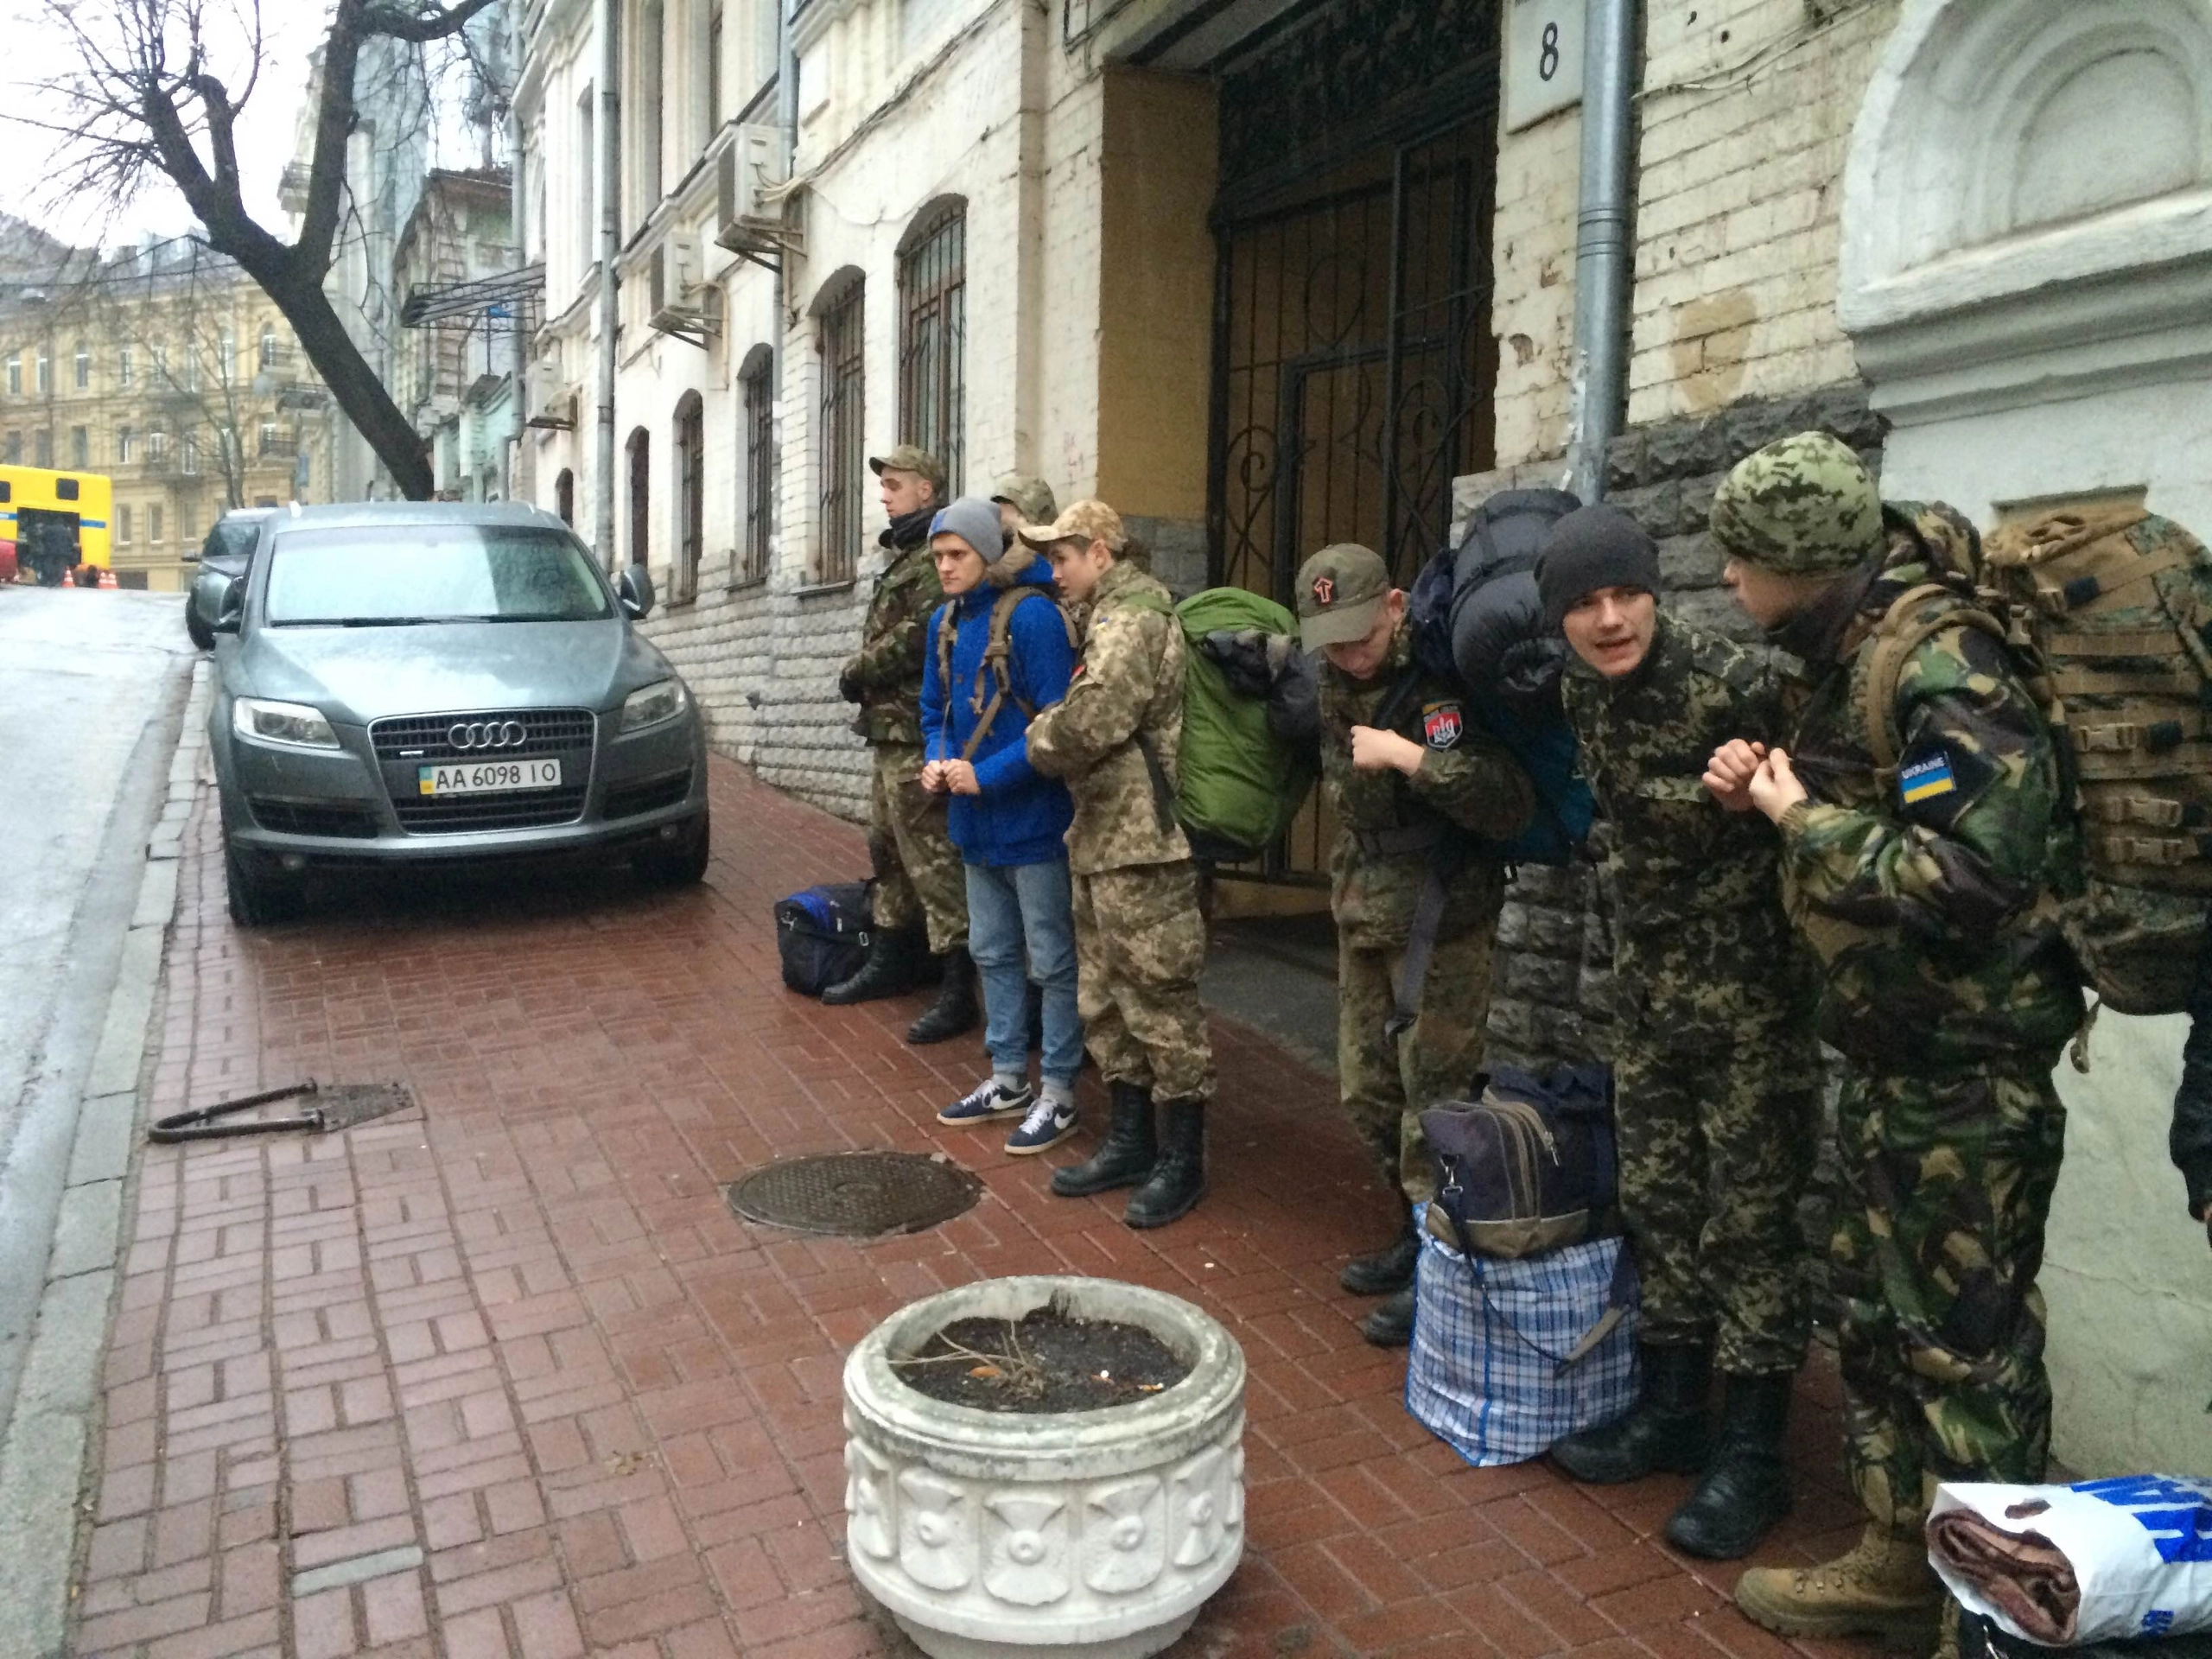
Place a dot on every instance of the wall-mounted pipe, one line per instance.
(1602, 254)
(610, 245)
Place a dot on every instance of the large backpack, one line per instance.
(1477, 618)
(2109, 614)
(823, 935)
(1242, 782)
(992, 672)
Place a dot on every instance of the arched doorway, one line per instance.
(564, 497)
(641, 519)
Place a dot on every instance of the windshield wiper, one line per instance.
(538, 616)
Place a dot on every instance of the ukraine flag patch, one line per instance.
(1924, 780)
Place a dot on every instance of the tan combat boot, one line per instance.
(1883, 1588)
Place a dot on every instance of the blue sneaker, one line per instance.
(987, 1102)
(1049, 1123)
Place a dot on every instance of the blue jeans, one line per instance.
(1010, 905)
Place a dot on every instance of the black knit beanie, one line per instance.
(1592, 548)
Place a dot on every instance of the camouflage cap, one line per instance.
(1031, 497)
(910, 458)
(1081, 521)
(1803, 507)
(1339, 590)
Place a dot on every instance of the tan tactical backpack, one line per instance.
(2109, 611)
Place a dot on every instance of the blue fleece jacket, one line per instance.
(1021, 816)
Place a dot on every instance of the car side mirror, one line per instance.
(229, 609)
(634, 588)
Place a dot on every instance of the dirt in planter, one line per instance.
(1047, 1360)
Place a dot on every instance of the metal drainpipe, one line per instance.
(518, 211)
(1601, 240)
(787, 117)
(610, 245)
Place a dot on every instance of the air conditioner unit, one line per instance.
(680, 301)
(753, 163)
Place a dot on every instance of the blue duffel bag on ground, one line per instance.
(1509, 1357)
(821, 935)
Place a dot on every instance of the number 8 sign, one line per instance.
(1543, 60)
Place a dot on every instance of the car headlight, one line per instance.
(663, 701)
(291, 723)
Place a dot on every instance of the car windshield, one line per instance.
(393, 576)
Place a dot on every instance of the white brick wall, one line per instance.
(1745, 114)
(1747, 110)
(942, 116)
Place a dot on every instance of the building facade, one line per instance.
(166, 368)
(1268, 275)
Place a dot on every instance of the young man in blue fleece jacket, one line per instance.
(1007, 820)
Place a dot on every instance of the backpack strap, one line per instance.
(998, 654)
(1896, 636)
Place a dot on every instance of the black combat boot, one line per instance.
(1746, 1485)
(1389, 1269)
(1125, 1157)
(1177, 1180)
(893, 959)
(1664, 1430)
(955, 1010)
(1391, 1325)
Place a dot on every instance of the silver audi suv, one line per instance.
(408, 685)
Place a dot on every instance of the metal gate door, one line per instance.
(1352, 374)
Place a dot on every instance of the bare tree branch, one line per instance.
(150, 95)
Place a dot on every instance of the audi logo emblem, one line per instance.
(486, 734)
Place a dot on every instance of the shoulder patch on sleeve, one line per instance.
(1442, 722)
(1925, 779)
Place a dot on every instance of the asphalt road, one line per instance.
(91, 689)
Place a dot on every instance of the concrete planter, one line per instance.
(989, 1534)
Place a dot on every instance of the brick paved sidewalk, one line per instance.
(504, 1375)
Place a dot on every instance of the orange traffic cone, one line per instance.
(107, 578)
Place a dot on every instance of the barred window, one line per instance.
(933, 309)
(690, 496)
(760, 467)
(842, 409)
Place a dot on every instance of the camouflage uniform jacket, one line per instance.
(1122, 716)
(1702, 948)
(886, 670)
(1932, 914)
(1467, 781)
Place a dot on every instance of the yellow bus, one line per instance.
(58, 522)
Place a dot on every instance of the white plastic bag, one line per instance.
(2139, 1547)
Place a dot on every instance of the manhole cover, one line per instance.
(858, 1194)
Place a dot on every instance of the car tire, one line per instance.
(682, 865)
(202, 637)
(257, 895)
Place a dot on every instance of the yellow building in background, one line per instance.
(165, 367)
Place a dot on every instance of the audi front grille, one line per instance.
(404, 742)
(429, 737)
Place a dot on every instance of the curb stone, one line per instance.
(42, 1459)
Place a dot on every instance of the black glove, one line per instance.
(848, 683)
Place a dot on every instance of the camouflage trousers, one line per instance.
(1716, 1145)
(1386, 1085)
(919, 875)
(1939, 1237)
(1140, 942)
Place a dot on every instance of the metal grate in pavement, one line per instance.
(855, 1194)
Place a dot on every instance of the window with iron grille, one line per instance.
(759, 469)
(842, 412)
(933, 312)
(690, 496)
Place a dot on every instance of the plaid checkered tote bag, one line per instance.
(1511, 1355)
